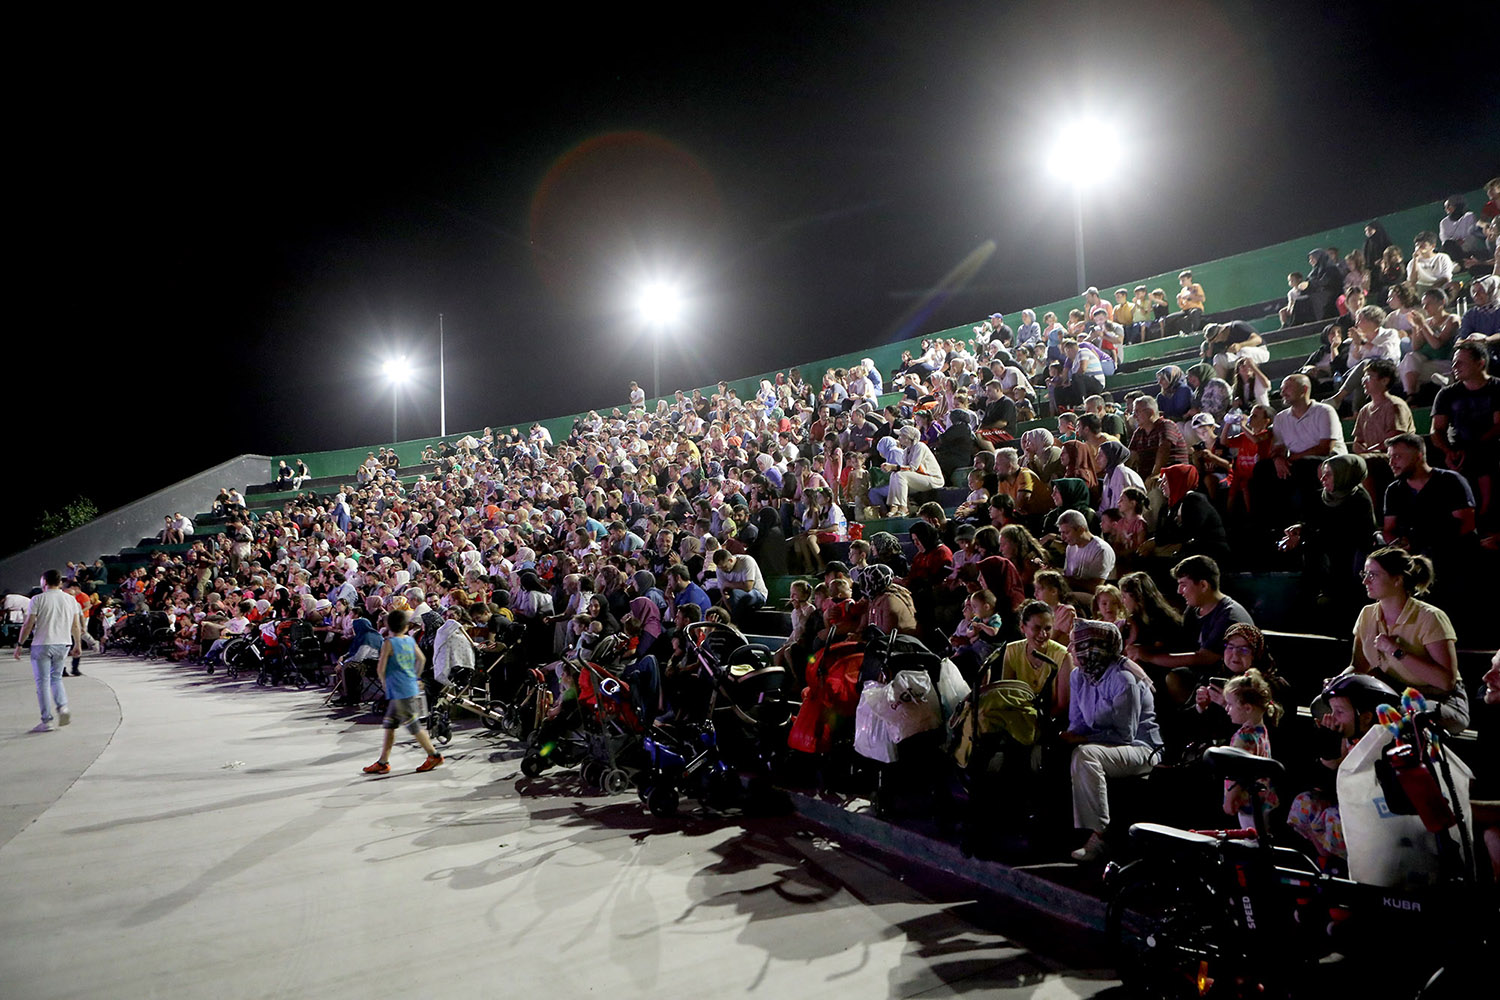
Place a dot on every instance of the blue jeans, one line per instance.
(47, 668)
(742, 602)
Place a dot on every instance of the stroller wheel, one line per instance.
(209, 669)
(532, 765)
(615, 781)
(592, 774)
(663, 801)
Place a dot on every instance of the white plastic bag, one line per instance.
(1385, 848)
(911, 704)
(951, 687)
(872, 733)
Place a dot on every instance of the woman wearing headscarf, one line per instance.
(1043, 456)
(913, 468)
(1337, 533)
(888, 552)
(1376, 240)
(1189, 521)
(1210, 393)
(1078, 463)
(1069, 494)
(1114, 475)
(1175, 398)
(1111, 721)
(891, 607)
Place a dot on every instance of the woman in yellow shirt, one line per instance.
(1407, 642)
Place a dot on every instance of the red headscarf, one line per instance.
(1179, 479)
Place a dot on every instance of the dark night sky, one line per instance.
(218, 243)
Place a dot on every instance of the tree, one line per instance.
(78, 512)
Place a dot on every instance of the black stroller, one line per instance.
(145, 633)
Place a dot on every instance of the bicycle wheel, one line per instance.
(1168, 934)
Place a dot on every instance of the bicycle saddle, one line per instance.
(1241, 766)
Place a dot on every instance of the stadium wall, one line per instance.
(124, 526)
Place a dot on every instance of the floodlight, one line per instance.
(660, 304)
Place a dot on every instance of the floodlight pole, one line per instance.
(395, 405)
(656, 363)
(443, 385)
(1078, 232)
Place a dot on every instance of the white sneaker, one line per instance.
(64, 716)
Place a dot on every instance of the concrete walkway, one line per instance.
(207, 838)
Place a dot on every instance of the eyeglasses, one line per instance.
(1367, 575)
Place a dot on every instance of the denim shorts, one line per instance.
(408, 712)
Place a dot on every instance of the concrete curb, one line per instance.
(1056, 901)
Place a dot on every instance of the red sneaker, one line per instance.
(379, 767)
(432, 761)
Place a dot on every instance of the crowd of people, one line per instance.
(1051, 564)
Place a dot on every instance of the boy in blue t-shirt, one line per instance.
(400, 663)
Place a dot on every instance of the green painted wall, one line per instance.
(1240, 280)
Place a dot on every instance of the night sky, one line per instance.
(218, 240)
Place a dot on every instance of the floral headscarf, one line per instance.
(1095, 647)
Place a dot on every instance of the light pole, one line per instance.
(442, 385)
(660, 306)
(395, 372)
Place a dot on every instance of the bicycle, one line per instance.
(1230, 913)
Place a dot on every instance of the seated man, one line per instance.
(1427, 511)
(1111, 721)
(1466, 421)
(1089, 560)
(1305, 433)
(741, 586)
(1190, 305)
(1198, 585)
(1157, 442)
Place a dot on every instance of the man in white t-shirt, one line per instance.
(54, 623)
(1306, 434)
(740, 582)
(1089, 560)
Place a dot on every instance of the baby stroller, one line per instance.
(146, 633)
(512, 694)
(742, 726)
(243, 653)
(301, 651)
(600, 729)
(917, 761)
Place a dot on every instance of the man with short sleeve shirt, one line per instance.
(1306, 433)
(1198, 585)
(740, 582)
(55, 626)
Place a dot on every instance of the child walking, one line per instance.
(400, 663)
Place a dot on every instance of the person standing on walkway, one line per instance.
(54, 624)
(399, 666)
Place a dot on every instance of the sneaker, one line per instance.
(64, 716)
(45, 726)
(432, 761)
(1094, 850)
(379, 767)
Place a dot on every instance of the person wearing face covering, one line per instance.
(1189, 524)
(1115, 477)
(891, 608)
(1337, 533)
(1112, 724)
(1210, 393)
